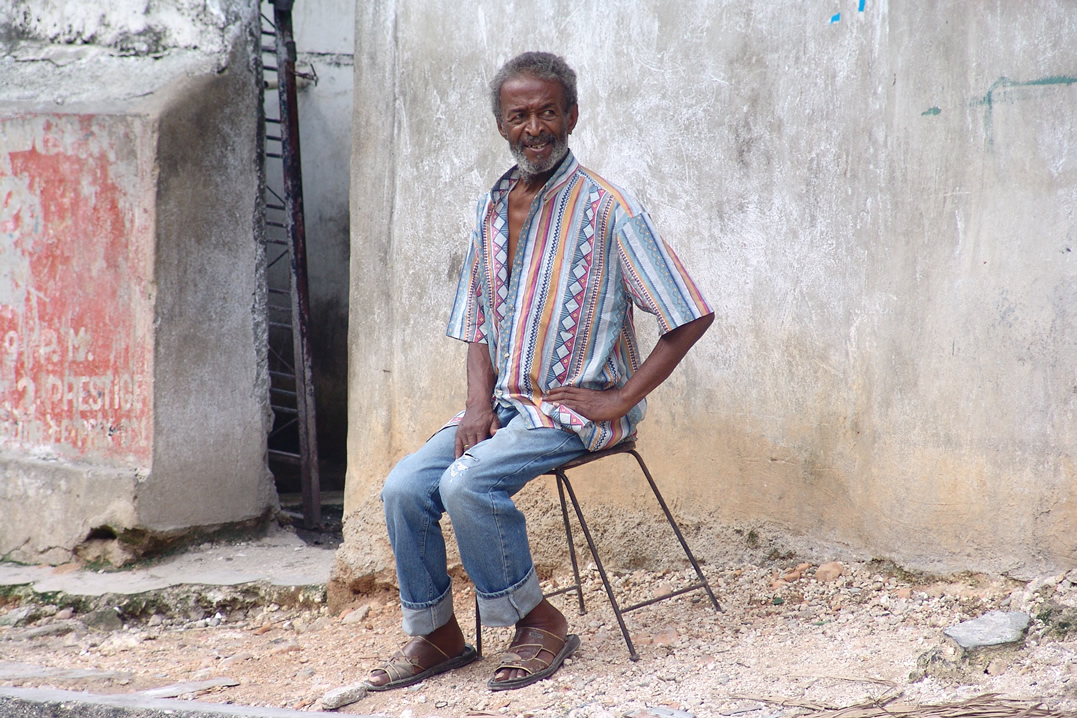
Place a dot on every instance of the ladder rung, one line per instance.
(281, 373)
(274, 155)
(275, 206)
(274, 290)
(280, 325)
(285, 456)
(285, 392)
(285, 410)
(274, 138)
(271, 68)
(274, 120)
(276, 224)
(269, 48)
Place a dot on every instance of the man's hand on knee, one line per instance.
(478, 424)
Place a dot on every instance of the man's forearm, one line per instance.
(615, 403)
(481, 376)
(668, 352)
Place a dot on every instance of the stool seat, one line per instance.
(623, 448)
(563, 487)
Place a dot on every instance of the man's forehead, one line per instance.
(527, 89)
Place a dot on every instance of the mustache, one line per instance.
(541, 139)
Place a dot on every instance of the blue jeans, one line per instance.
(475, 490)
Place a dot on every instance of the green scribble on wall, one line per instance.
(931, 111)
(1005, 83)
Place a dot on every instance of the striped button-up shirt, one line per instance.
(563, 316)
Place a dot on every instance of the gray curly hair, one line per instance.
(541, 65)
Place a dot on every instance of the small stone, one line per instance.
(777, 584)
(662, 590)
(287, 647)
(103, 619)
(237, 658)
(997, 667)
(829, 571)
(995, 628)
(356, 616)
(665, 638)
(14, 618)
(339, 697)
(179, 689)
(64, 614)
(903, 593)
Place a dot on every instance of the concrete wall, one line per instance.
(877, 198)
(132, 381)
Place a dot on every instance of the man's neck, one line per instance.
(531, 184)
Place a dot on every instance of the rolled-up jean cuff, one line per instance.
(508, 607)
(424, 620)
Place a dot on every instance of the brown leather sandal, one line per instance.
(403, 670)
(538, 652)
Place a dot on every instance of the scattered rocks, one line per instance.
(815, 638)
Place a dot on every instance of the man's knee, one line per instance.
(457, 487)
(400, 485)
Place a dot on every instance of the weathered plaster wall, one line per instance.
(132, 375)
(877, 198)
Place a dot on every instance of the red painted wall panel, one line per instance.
(76, 312)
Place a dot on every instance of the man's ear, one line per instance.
(501, 128)
(573, 115)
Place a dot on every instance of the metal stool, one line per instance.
(563, 485)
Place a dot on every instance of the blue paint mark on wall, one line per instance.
(837, 16)
(1003, 83)
(931, 111)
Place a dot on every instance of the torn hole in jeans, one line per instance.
(465, 462)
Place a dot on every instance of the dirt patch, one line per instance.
(787, 643)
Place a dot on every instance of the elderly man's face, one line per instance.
(535, 122)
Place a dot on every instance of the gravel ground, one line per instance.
(781, 648)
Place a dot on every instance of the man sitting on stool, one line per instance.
(556, 260)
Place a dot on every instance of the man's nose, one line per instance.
(532, 127)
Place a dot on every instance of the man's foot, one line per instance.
(538, 649)
(441, 650)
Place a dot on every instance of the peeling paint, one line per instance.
(74, 277)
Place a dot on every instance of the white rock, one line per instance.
(347, 695)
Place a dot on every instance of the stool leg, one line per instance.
(677, 530)
(568, 534)
(478, 628)
(601, 571)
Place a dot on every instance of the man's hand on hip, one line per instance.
(595, 405)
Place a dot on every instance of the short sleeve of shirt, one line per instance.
(654, 277)
(467, 320)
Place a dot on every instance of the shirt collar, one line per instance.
(561, 175)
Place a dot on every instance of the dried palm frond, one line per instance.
(988, 705)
